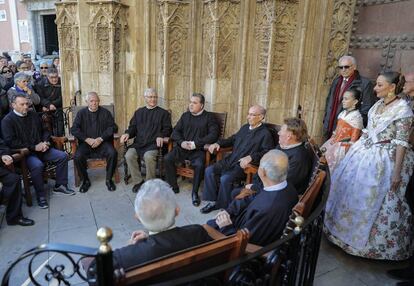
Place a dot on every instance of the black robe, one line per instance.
(255, 142)
(49, 94)
(148, 124)
(202, 129)
(299, 170)
(89, 124)
(23, 132)
(265, 215)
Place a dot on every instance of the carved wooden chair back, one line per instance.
(93, 162)
(188, 261)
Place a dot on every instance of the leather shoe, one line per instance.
(402, 273)
(136, 187)
(208, 208)
(86, 184)
(195, 198)
(22, 221)
(110, 185)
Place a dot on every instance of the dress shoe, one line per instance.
(22, 221)
(110, 185)
(86, 184)
(136, 187)
(401, 273)
(208, 208)
(195, 198)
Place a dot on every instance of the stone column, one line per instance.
(33, 35)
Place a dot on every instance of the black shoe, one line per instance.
(42, 203)
(63, 190)
(110, 185)
(22, 221)
(208, 208)
(402, 273)
(86, 184)
(136, 187)
(176, 190)
(195, 198)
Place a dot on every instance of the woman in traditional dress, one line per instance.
(367, 213)
(348, 129)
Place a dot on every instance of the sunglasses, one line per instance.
(343, 67)
(7, 71)
(43, 68)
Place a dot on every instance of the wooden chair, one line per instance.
(219, 251)
(185, 170)
(94, 162)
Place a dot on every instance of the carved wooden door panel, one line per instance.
(383, 36)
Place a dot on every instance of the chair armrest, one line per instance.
(59, 142)
(213, 233)
(22, 151)
(17, 157)
(251, 248)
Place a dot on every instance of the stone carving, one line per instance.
(68, 32)
(376, 2)
(221, 20)
(173, 24)
(338, 36)
(107, 21)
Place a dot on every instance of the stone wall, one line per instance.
(277, 53)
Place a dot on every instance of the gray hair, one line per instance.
(155, 205)
(261, 109)
(351, 58)
(275, 164)
(44, 62)
(149, 91)
(20, 76)
(91, 93)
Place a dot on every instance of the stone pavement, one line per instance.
(75, 220)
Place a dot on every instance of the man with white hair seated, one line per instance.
(266, 214)
(156, 208)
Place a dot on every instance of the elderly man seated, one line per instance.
(22, 128)
(292, 137)
(266, 215)
(94, 127)
(23, 87)
(10, 191)
(249, 144)
(156, 208)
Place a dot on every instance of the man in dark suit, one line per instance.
(94, 127)
(349, 77)
(266, 214)
(10, 191)
(156, 209)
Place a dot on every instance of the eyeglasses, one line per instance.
(343, 67)
(152, 97)
(8, 71)
(253, 114)
(44, 68)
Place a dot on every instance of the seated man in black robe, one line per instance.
(23, 128)
(266, 215)
(94, 127)
(249, 144)
(10, 191)
(292, 137)
(156, 208)
(195, 128)
(149, 125)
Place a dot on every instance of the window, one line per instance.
(2, 1)
(3, 16)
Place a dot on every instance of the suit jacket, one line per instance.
(160, 244)
(367, 100)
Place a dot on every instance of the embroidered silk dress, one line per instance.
(363, 216)
(348, 131)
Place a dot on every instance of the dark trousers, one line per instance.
(218, 183)
(11, 193)
(178, 155)
(105, 150)
(35, 164)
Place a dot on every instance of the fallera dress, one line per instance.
(363, 215)
(347, 132)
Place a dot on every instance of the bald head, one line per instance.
(273, 167)
(409, 84)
